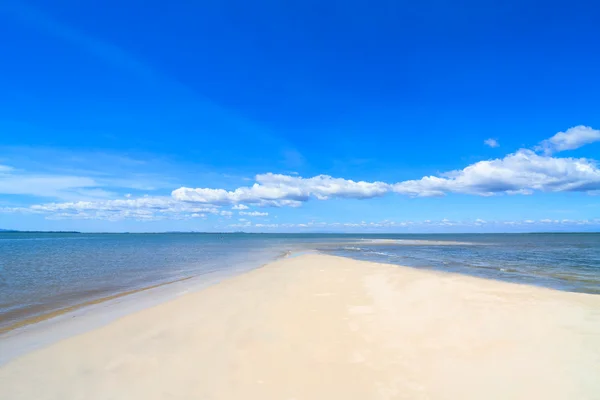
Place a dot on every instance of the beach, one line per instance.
(318, 326)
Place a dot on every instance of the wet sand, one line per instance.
(24, 318)
(324, 327)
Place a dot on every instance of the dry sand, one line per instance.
(323, 327)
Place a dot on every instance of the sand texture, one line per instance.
(323, 327)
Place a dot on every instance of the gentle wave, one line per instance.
(380, 253)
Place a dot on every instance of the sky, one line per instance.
(270, 116)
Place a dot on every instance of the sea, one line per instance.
(43, 273)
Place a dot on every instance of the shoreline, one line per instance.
(34, 320)
(64, 323)
(32, 299)
(314, 326)
(66, 310)
(62, 311)
(31, 319)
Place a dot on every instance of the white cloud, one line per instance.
(518, 173)
(267, 225)
(279, 203)
(491, 142)
(254, 213)
(324, 186)
(522, 172)
(242, 224)
(572, 139)
(277, 190)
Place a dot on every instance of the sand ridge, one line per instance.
(324, 327)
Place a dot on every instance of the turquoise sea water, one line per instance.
(43, 272)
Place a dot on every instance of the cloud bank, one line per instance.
(284, 190)
(524, 172)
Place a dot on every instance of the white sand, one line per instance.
(322, 327)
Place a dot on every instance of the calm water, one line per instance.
(44, 272)
(561, 261)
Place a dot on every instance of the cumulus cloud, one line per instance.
(279, 203)
(519, 173)
(491, 142)
(572, 139)
(278, 190)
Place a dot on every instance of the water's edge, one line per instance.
(164, 265)
(37, 332)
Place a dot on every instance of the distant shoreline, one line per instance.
(306, 233)
(16, 231)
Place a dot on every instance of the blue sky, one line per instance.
(300, 116)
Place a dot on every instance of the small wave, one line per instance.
(352, 248)
(381, 253)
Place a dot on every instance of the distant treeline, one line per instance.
(15, 231)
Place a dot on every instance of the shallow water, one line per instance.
(561, 261)
(44, 272)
